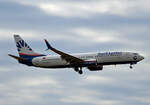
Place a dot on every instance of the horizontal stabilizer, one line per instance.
(17, 58)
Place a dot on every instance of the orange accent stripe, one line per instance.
(30, 54)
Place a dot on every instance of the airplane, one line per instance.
(92, 61)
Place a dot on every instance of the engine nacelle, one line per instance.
(95, 68)
(90, 62)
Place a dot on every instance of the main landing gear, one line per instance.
(78, 70)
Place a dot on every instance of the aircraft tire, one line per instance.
(131, 67)
(80, 72)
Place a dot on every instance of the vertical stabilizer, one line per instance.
(24, 49)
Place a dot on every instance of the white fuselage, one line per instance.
(108, 58)
(93, 61)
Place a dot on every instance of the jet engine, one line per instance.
(95, 68)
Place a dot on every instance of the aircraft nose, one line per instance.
(141, 57)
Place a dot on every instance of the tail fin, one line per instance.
(24, 49)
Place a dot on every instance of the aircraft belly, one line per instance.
(109, 59)
(49, 63)
(114, 60)
(54, 63)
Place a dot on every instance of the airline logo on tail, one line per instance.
(20, 44)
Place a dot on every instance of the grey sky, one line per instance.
(75, 26)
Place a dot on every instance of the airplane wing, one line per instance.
(69, 58)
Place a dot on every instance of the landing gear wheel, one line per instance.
(80, 72)
(76, 69)
(131, 67)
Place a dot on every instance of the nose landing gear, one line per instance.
(131, 64)
(131, 67)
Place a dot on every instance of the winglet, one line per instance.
(48, 45)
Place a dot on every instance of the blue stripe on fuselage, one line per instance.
(29, 59)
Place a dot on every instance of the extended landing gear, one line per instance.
(78, 70)
(131, 65)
